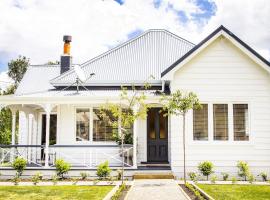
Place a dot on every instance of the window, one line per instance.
(103, 129)
(240, 122)
(220, 115)
(200, 123)
(82, 124)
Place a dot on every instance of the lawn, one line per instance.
(53, 192)
(236, 192)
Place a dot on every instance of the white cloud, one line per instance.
(34, 28)
(5, 81)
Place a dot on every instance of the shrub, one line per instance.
(119, 174)
(213, 179)
(19, 165)
(234, 180)
(243, 169)
(264, 176)
(192, 176)
(84, 175)
(206, 168)
(62, 168)
(225, 176)
(103, 170)
(37, 178)
(16, 179)
(251, 178)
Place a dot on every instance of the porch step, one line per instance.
(153, 176)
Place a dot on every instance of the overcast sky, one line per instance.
(34, 28)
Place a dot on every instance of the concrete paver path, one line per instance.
(156, 189)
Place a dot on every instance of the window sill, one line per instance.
(223, 143)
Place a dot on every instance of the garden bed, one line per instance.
(193, 192)
(121, 193)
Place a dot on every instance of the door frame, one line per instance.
(167, 137)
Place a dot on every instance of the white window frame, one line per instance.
(211, 140)
(91, 127)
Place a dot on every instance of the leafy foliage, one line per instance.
(118, 193)
(193, 176)
(103, 170)
(213, 179)
(264, 176)
(195, 191)
(19, 165)
(206, 168)
(37, 178)
(84, 175)
(251, 178)
(225, 176)
(179, 103)
(234, 180)
(243, 169)
(62, 168)
(17, 68)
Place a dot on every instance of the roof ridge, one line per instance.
(172, 34)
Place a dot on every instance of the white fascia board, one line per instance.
(169, 75)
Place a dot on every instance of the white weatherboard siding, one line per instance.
(223, 74)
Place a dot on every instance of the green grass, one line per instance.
(54, 192)
(236, 192)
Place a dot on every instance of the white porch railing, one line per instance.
(79, 156)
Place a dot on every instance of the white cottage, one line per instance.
(231, 80)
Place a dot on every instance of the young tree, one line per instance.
(17, 68)
(131, 107)
(179, 103)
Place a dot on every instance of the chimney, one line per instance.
(66, 59)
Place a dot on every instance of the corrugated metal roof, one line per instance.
(37, 79)
(132, 62)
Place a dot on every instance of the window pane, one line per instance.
(162, 125)
(152, 130)
(240, 122)
(103, 129)
(200, 123)
(82, 124)
(220, 114)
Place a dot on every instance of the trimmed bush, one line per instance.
(103, 170)
(62, 168)
(234, 180)
(84, 175)
(251, 178)
(213, 179)
(192, 176)
(264, 176)
(243, 169)
(37, 178)
(206, 168)
(19, 164)
(225, 176)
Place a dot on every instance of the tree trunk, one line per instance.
(122, 147)
(184, 144)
